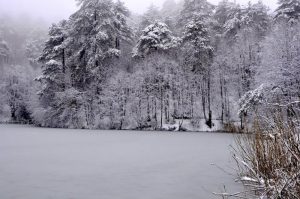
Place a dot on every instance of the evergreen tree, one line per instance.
(53, 60)
(34, 46)
(288, 10)
(17, 90)
(152, 14)
(97, 30)
(199, 54)
(232, 18)
(4, 52)
(224, 11)
(155, 38)
(170, 14)
(239, 52)
(227, 16)
(195, 10)
(196, 35)
(256, 18)
(78, 58)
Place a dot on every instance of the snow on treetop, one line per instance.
(288, 9)
(157, 28)
(155, 37)
(251, 98)
(52, 62)
(102, 36)
(4, 50)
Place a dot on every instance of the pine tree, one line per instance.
(152, 14)
(34, 46)
(170, 13)
(194, 10)
(232, 18)
(256, 17)
(4, 52)
(239, 51)
(199, 54)
(197, 36)
(288, 10)
(228, 15)
(78, 59)
(53, 62)
(224, 11)
(155, 38)
(97, 30)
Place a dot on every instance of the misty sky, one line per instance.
(54, 10)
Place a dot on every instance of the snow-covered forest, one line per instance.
(188, 63)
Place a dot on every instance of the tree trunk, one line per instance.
(148, 109)
(209, 122)
(155, 111)
(167, 108)
(203, 102)
(64, 66)
(222, 98)
(161, 108)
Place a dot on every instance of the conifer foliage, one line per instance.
(288, 10)
(155, 38)
(77, 60)
(186, 64)
(4, 52)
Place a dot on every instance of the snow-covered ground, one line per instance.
(37, 163)
(186, 124)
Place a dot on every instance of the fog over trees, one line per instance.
(185, 65)
(189, 61)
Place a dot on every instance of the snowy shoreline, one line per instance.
(165, 129)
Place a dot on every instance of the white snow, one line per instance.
(186, 123)
(53, 62)
(38, 163)
(248, 179)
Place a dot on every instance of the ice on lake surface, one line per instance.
(37, 163)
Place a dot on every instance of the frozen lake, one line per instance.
(37, 163)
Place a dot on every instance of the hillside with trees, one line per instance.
(190, 65)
